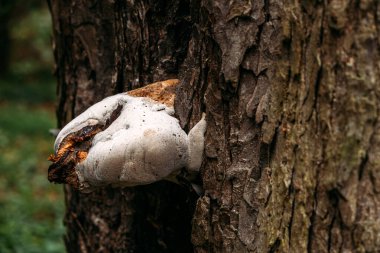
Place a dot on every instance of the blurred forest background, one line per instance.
(31, 209)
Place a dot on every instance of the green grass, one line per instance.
(31, 209)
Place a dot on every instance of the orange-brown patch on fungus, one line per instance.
(162, 92)
(149, 133)
(64, 148)
(81, 155)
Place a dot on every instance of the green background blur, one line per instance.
(31, 209)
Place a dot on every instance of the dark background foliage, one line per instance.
(31, 209)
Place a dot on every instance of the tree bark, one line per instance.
(289, 89)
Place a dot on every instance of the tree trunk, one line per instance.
(291, 161)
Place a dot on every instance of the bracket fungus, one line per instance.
(127, 139)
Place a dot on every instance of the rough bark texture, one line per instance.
(289, 88)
